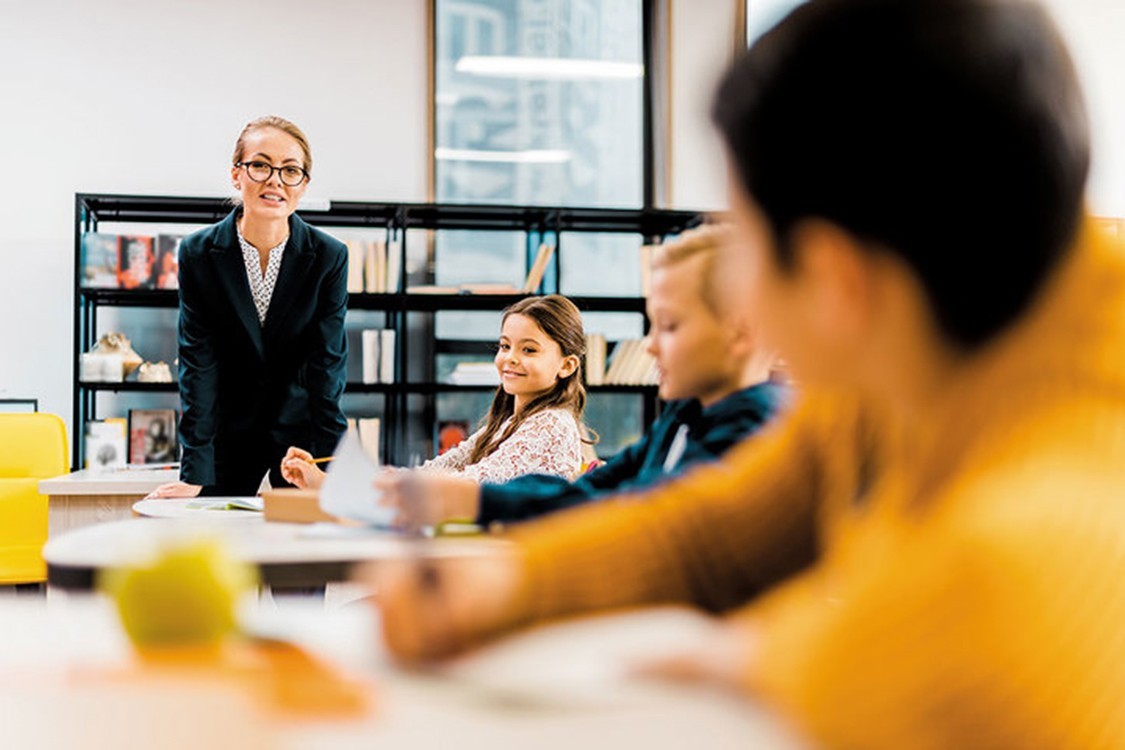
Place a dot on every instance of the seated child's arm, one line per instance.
(537, 494)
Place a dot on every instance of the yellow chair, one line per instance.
(32, 447)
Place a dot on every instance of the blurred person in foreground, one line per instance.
(927, 551)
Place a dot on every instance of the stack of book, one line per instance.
(530, 284)
(373, 266)
(630, 364)
(378, 355)
(475, 373)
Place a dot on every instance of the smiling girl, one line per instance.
(533, 426)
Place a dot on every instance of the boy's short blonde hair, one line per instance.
(702, 242)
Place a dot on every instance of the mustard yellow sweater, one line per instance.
(957, 582)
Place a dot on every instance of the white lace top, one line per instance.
(548, 442)
(261, 285)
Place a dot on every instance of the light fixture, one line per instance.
(560, 68)
(510, 157)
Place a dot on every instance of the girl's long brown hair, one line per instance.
(562, 322)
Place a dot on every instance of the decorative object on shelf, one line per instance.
(101, 368)
(154, 372)
(118, 344)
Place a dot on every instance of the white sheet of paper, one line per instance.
(582, 662)
(348, 490)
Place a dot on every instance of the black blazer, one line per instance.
(249, 390)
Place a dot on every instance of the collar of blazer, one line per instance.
(295, 263)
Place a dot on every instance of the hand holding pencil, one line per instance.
(299, 468)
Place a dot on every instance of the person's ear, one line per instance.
(835, 272)
(568, 366)
(234, 177)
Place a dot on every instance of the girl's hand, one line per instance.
(424, 499)
(298, 469)
(175, 489)
(436, 607)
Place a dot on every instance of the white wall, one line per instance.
(147, 97)
(1095, 33)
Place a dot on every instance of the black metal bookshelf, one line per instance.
(538, 222)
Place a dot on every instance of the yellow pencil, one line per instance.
(325, 459)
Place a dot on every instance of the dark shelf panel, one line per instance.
(437, 302)
(420, 388)
(131, 386)
(159, 209)
(426, 388)
(169, 298)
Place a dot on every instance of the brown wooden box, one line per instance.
(294, 506)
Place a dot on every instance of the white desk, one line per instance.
(86, 497)
(287, 554)
(48, 703)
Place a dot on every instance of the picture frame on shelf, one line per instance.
(152, 436)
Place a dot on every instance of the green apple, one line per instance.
(185, 596)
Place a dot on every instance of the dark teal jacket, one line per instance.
(710, 432)
(249, 390)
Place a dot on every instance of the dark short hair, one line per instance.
(949, 132)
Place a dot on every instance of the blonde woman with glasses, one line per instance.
(261, 328)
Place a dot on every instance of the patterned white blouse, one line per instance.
(548, 442)
(261, 286)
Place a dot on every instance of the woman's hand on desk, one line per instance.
(298, 469)
(427, 499)
(436, 607)
(175, 489)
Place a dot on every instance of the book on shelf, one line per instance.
(370, 354)
(432, 289)
(377, 267)
(355, 266)
(387, 355)
(152, 436)
(165, 274)
(368, 431)
(378, 355)
(393, 267)
(538, 268)
(106, 444)
(648, 252)
(475, 373)
(99, 260)
(135, 262)
(595, 358)
(487, 287)
(369, 437)
(480, 287)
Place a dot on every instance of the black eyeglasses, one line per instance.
(260, 171)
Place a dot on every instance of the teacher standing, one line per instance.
(261, 329)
